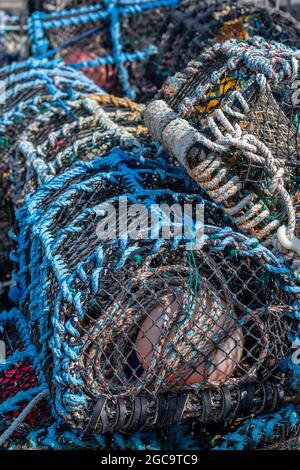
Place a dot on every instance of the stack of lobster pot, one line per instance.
(156, 249)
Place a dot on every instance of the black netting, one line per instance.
(194, 25)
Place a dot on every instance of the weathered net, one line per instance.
(32, 89)
(231, 118)
(194, 25)
(109, 41)
(54, 140)
(215, 349)
(132, 333)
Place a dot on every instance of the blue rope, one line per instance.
(39, 23)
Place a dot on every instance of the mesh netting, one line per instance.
(232, 119)
(32, 90)
(109, 42)
(189, 334)
(56, 139)
(126, 333)
(195, 25)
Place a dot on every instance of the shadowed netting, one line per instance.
(194, 26)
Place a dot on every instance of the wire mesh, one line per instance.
(194, 25)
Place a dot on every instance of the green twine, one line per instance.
(4, 142)
(138, 259)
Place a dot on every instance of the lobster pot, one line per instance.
(232, 121)
(51, 143)
(194, 25)
(109, 41)
(32, 90)
(145, 331)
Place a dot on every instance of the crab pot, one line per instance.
(108, 41)
(20, 381)
(51, 143)
(194, 26)
(33, 90)
(33, 87)
(231, 118)
(147, 332)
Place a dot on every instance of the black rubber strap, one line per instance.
(279, 397)
(268, 396)
(180, 404)
(135, 414)
(162, 404)
(138, 415)
(245, 400)
(96, 415)
(226, 404)
(121, 415)
(206, 407)
(143, 414)
(170, 412)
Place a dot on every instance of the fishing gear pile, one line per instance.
(154, 279)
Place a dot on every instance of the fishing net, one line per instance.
(143, 332)
(32, 89)
(56, 139)
(40, 428)
(231, 119)
(109, 42)
(194, 25)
